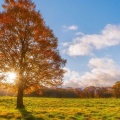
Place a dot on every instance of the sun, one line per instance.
(11, 76)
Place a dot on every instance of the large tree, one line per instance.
(28, 47)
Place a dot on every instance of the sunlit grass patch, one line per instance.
(60, 109)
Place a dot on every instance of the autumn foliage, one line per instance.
(28, 47)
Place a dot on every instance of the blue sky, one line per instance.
(88, 33)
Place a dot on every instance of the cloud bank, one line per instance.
(86, 44)
(103, 72)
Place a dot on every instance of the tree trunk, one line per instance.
(20, 97)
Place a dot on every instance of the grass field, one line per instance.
(60, 109)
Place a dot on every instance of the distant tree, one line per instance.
(79, 92)
(29, 48)
(98, 92)
(89, 91)
(70, 92)
(116, 89)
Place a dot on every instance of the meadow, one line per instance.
(60, 109)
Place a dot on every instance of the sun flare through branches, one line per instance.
(10, 77)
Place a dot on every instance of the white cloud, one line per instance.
(84, 45)
(71, 74)
(79, 50)
(65, 44)
(79, 34)
(72, 27)
(104, 72)
(71, 78)
(101, 63)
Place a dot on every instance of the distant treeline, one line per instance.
(69, 92)
(88, 92)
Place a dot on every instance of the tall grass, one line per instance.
(60, 109)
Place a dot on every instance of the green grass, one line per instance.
(60, 109)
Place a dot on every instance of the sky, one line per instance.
(88, 33)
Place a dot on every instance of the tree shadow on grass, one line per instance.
(28, 115)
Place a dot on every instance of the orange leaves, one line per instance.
(5, 19)
(29, 46)
(32, 88)
(2, 55)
